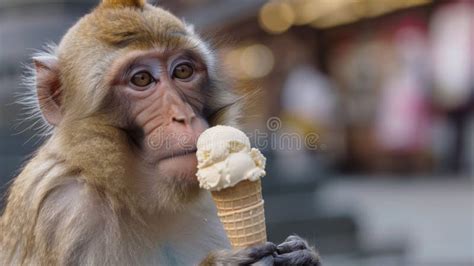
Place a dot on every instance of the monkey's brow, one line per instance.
(163, 52)
(167, 40)
(173, 40)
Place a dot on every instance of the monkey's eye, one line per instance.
(183, 71)
(142, 79)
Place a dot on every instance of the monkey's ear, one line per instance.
(48, 88)
(123, 3)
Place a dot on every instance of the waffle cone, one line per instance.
(240, 209)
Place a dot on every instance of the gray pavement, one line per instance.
(432, 217)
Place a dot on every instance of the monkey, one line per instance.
(126, 93)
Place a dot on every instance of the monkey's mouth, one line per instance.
(179, 153)
(181, 164)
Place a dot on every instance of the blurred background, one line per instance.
(363, 107)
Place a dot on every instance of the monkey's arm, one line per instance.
(293, 251)
(70, 227)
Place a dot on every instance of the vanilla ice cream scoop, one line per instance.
(225, 158)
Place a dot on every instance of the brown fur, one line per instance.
(73, 202)
(122, 3)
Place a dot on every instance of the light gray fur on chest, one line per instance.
(191, 235)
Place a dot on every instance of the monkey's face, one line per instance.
(145, 74)
(162, 88)
(164, 98)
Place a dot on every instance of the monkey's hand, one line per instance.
(296, 251)
(293, 251)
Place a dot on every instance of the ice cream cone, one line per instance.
(240, 209)
(231, 169)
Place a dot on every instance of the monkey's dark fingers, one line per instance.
(247, 256)
(292, 243)
(299, 257)
(258, 255)
(258, 252)
(293, 238)
(290, 246)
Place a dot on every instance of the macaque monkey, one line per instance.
(127, 91)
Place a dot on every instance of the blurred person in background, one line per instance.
(308, 106)
(402, 123)
(452, 53)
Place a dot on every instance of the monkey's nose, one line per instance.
(180, 119)
(182, 114)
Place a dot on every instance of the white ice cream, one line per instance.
(225, 158)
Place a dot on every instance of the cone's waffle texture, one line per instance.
(240, 209)
(242, 195)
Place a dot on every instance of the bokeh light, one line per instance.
(276, 17)
(251, 61)
(257, 61)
